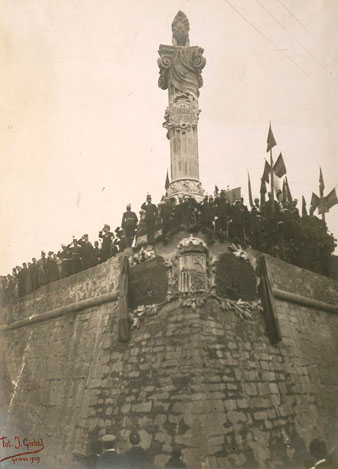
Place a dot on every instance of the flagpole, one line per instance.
(321, 193)
(272, 188)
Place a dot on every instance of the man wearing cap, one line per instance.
(87, 252)
(223, 209)
(149, 218)
(106, 236)
(175, 462)
(129, 222)
(166, 214)
(136, 456)
(109, 459)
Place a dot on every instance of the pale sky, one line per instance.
(81, 112)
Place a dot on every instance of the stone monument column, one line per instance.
(180, 73)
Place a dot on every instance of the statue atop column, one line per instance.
(180, 72)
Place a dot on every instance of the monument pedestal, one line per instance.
(186, 186)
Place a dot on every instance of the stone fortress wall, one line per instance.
(195, 376)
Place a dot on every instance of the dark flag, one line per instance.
(270, 140)
(315, 200)
(288, 190)
(250, 192)
(330, 200)
(266, 172)
(304, 211)
(167, 182)
(321, 183)
(279, 167)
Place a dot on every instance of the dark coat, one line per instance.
(129, 219)
(137, 458)
(106, 241)
(109, 460)
(206, 212)
(150, 211)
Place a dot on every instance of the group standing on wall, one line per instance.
(280, 231)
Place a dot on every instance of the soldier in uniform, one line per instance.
(256, 226)
(129, 223)
(150, 218)
(175, 462)
(87, 252)
(136, 456)
(206, 214)
(120, 241)
(42, 269)
(76, 261)
(34, 270)
(109, 459)
(223, 208)
(166, 213)
(106, 236)
(97, 252)
(26, 279)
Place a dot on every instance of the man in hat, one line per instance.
(223, 213)
(87, 252)
(166, 214)
(34, 269)
(256, 225)
(136, 456)
(109, 459)
(149, 218)
(175, 461)
(129, 222)
(42, 269)
(120, 242)
(106, 236)
(206, 214)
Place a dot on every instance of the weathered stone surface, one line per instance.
(204, 379)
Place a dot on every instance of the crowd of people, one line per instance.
(274, 227)
(104, 455)
(107, 457)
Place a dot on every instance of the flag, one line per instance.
(330, 200)
(276, 183)
(270, 140)
(236, 193)
(279, 167)
(250, 193)
(321, 183)
(288, 190)
(266, 177)
(304, 211)
(233, 194)
(266, 172)
(167, 182)
(315, 200)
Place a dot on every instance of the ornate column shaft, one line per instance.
(180, 72)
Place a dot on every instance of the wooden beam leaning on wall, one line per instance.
(267, 298)
(124, 331)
